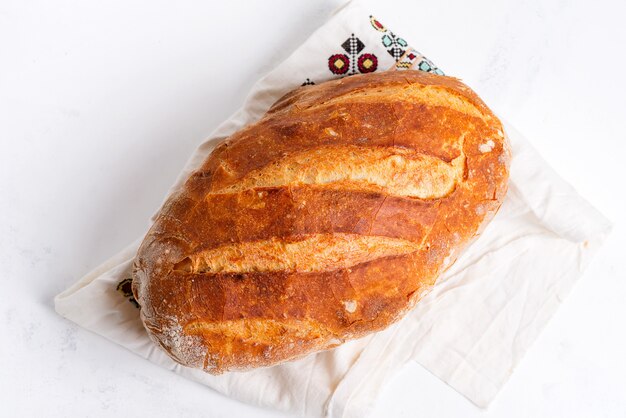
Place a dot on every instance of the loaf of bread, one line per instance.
(325, 221)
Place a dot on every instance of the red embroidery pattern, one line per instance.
(339, 64)
(367, 63)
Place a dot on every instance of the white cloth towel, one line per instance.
(470, 331)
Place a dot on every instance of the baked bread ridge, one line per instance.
(326, 220)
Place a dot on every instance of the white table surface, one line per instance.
(102, 102)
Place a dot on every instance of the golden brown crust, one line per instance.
(326, 220)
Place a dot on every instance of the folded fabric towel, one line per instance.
(470, 331)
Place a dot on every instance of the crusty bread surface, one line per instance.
(326, 220)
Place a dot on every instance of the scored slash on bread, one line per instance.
(326, 220)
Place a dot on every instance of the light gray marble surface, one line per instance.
(102, 102)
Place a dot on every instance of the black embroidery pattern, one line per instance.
(396, 46)
(353, 61)
(125, 288)
(406, 57)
